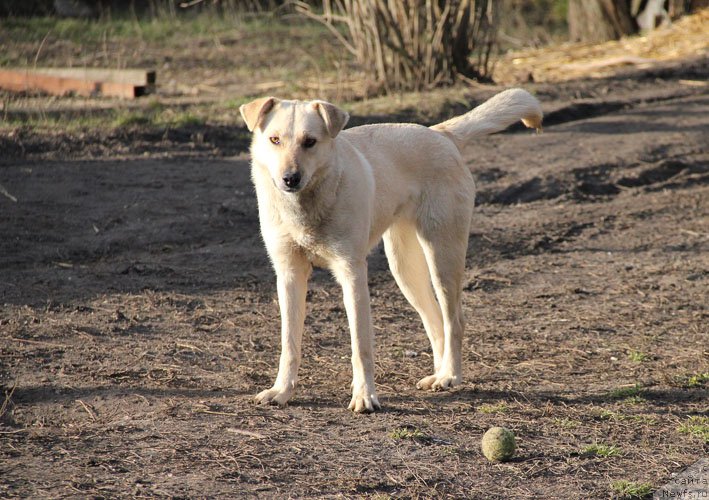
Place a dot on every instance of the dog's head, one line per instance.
(292, 139)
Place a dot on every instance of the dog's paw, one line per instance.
(273, 396)
(438, 382)
(364, 402)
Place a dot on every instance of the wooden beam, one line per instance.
(135, 76)
(128, 84)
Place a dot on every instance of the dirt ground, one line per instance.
(138, 317)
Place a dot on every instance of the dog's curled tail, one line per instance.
(495, 114)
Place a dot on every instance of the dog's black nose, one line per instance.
(292, 180)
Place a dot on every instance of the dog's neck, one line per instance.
(310, 208)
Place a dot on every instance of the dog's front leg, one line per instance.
(292, 272)
(355, 291)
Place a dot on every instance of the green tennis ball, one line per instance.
(499, 444)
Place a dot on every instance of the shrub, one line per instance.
(413, 44)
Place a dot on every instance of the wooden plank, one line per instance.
(124, 90)
(134, 76)
(86, 82)
(25, 80)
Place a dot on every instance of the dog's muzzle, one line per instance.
(292, 181)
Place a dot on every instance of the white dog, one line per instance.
(327, 196)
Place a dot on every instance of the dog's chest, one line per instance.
(311, 228)
(317, 247)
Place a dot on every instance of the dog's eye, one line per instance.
(309, 142)
(275, 140)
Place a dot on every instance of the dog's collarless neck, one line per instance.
(312, 207)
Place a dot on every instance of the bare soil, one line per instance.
(138, 317)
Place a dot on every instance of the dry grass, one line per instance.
(686, 38)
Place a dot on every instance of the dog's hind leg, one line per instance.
(408, 265)
(445, 246)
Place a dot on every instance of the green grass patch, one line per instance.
(625, 392)
(567, 423)
(407, 433)
(611, 415)
(186, 119)
(637, 356)
(698, 380)
(628, 395)
(153, 115)
(601, 450)
(630, 490)
(164, 29)
(620, 417)
(155, 29)
(133, 119)
(489, 409)
(696, 426)
(55, 122)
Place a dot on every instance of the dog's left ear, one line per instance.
(335, 118)
(253, 112)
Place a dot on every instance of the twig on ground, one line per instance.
(5, 193)
(40, 342)
(8, 398)
(242, 432)
(88, 410)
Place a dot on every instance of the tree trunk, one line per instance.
(600, 20)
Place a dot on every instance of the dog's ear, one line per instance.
(335, 118)
(253, 112)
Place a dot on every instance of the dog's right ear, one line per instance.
(253, 112)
